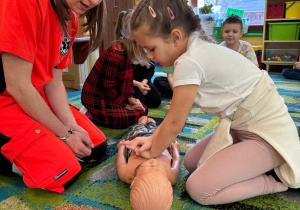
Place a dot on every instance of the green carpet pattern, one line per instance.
(100, 188)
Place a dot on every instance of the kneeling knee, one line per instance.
(189, 164)
(199, 192)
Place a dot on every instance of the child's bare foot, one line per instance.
(281, 187)
(277, 186)
(143, 119)
(150, 120)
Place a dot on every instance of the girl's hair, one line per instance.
(233, 19)
(119, 25)
(122, 31)
(94, 21)
(151, 189)
(162, 16)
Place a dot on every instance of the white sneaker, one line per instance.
(83, 110)
(16, 170)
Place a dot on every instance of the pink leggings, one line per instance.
(235, 173)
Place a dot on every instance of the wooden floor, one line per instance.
(70, 89)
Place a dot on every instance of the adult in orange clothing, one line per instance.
(40, 133)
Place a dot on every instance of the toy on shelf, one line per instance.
(275, 10)
(287, 55)
(282, 58)
(292, 9)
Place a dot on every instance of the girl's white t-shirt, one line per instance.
(225, 77)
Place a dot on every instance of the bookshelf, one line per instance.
(279, 44)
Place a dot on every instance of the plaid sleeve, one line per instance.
(117, 76)
(110, 78)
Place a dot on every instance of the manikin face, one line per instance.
(231, 33)
(81, 6)
(162, 51)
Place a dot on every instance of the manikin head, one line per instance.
(151, 188)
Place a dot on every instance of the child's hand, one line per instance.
(133, 101)
(139, 107)
(139, 145)
(135, 104)
(129, 107)
(146, 154)
(144, 88)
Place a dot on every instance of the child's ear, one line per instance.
(176, 37)
(242, 33)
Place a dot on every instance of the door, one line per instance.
(114, 7)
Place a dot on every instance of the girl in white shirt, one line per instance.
(255, 134)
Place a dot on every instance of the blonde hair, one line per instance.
(94, 21)
(151, 189)
(119, 25)
(134, 51)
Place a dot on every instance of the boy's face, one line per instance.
(231, 33)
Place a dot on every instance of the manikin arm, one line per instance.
(175, 163)
(122, 163)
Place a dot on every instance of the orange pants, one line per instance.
(45, 161)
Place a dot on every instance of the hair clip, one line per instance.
(152, 12)
(172, 16)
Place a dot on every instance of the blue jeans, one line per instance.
(291, 73)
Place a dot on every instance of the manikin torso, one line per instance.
(165, 159)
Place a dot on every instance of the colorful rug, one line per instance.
(100, 188)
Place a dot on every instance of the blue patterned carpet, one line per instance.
(100, 188)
